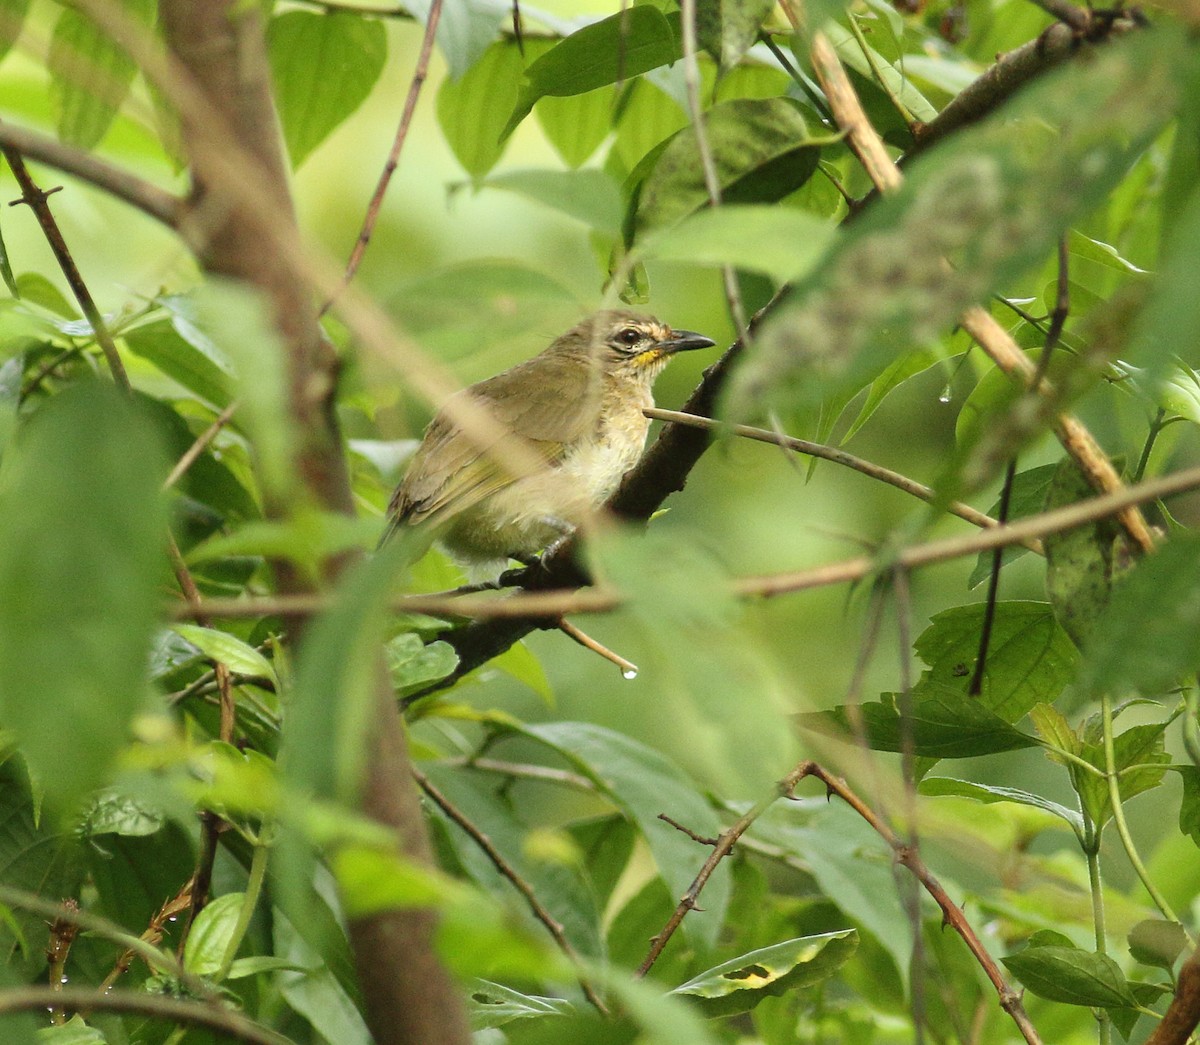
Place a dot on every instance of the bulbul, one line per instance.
(577, 406)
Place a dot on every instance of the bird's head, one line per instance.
(631, 344)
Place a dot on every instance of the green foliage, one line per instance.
(324, 66)
(570, 811)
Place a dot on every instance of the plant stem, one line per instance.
(1091, 850)
(254, 884)
(1118, 813)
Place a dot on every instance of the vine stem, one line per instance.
(1091, 852)
(254, 886)
(1118, 812)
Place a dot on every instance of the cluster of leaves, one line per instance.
(113, 739)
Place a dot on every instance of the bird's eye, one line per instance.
(629, 336)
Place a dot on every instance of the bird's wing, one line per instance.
(546, 401)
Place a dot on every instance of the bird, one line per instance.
(577, 410)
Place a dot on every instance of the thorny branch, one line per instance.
(553, 925)
(906, 855)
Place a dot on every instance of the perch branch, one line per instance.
(543, 608)
(1183, 1013)
(837, 456)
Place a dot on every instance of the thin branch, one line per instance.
(38, 202)
(723, 846)
(100, 926)
(628, 669)
(153, 934)
(229, 1023)
(837, 456)
(63, 931)
(198, 447)
(552, 925)
(1010, 1000)
(975, 687)
(393, 160)
(543, 608)
(121, 184)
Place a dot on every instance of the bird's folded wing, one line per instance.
(548, 402)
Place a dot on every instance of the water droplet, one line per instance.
(630, 673)
(62, 979)
(945, 396)
(173, 918)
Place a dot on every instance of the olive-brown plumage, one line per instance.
(577, 406)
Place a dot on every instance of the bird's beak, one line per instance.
(684, 341)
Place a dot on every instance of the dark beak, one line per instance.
(685, 341)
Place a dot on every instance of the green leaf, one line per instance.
(614, 49)
(6, 271)
(741, 983)
(781, 242)
(908, 365)
(1139, 746)
(235, 321)
(82, 521)
(494, 1005)
(1079, 562)
(761, 150)
(211, 934)
(993, 201)
(648, 118)
(35, 858)
(323, 66)
(944, 724)
(1145, 640)
(990, 793)
(1028, 497)
(576, 125)
(474, 109)
(112, 812)
(728, 28)
(73, 1032)
(413, 664)
(513, 307)
(240, 968)
(642, 783)
(1189, 806)
(520, 663)
(1030, 658)
(239, 657)
(191, 360)
(1071, 975)
(465, 29)
(1156, 942)
(90, 74)
(590, 196)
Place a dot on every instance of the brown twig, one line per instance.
(1077, 18)
(152, 937)
(63, 931)
(1183, 1014)
(548, 606)
(552, 925)
(37, 201)
(123, 185)
(420, 73)
(721, 848)
(701, 839)
(628, 668)
(836, 455)
(198, 447)
(952, 915)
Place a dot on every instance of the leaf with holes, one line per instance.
(742, 982)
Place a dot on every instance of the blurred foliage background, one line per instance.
(483, 253)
